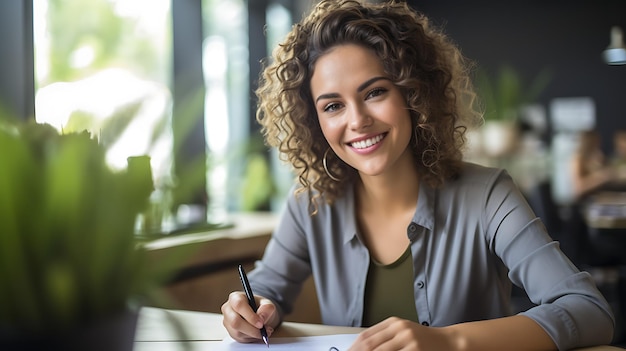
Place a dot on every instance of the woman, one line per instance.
(369, 104)
(589, 167)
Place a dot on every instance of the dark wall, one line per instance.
(16, 58)
(566, 37)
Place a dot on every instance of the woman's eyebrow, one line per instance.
(327, 96)
(369, 82)
(359, 89)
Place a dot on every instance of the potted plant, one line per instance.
(70, 264)
(502, 95)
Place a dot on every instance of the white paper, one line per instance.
(301, 343)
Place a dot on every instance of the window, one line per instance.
(241, 175)
(226, 73)
(104, 66)
(108, 66)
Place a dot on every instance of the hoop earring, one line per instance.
(326, 167)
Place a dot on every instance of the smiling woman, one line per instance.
(370, 103)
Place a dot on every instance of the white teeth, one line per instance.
(362, 144)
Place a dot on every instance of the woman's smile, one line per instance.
(367, 144)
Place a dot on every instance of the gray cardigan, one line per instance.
(469, 240)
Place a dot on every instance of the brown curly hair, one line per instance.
(419, 59)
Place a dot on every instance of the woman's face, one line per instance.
(363, 115)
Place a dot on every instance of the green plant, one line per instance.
(258, 186)
(505, 92)
(68, 253)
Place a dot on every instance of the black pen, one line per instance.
(251, 301)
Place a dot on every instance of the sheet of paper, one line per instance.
(341, 342)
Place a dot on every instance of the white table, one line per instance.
(204, 331)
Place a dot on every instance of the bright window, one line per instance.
(226, 75)
(104, 66)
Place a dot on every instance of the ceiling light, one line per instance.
(615, 54)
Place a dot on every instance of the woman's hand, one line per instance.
(400, 334)
(242, 324)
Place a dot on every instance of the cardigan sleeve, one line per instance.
(569, 307)
(285, 265)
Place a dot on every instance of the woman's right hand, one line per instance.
(242, 324)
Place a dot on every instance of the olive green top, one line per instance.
(389, 291)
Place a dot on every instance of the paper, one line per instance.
(340, 342)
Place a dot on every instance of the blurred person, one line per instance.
(618, 157)
(590, 168)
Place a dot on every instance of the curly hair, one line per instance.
(419, 59)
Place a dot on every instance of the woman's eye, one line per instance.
(376, 92)
(332, 107)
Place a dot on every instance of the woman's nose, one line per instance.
(359, 117)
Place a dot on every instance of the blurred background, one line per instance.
(148, 75)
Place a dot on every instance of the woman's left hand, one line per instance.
(400, 334)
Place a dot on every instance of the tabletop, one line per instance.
(169, 330)
(606, 210)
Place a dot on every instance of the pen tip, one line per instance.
(266, 341)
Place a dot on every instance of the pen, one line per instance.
(251, 301)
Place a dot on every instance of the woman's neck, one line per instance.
(390, 192)
(385, 206)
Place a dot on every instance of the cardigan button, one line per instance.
(424, 323)
(420, 284)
